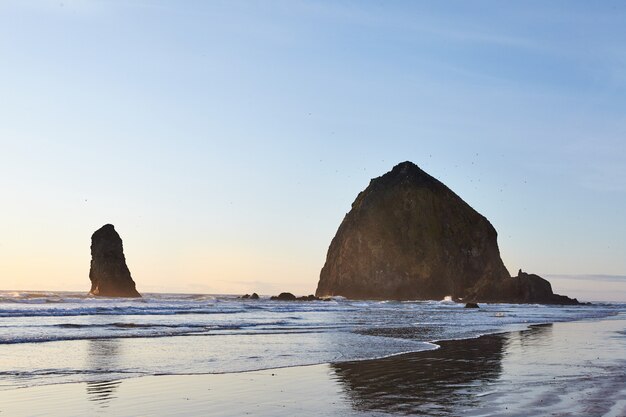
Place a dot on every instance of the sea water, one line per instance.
(56, 337)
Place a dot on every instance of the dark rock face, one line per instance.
(409, 237)
(287, 296)
(109, 274)
(471, 305)
(525, 288)
(309, 297)
(254, 296)
(284, 296)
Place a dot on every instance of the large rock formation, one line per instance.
(109, 274)
(409, 237)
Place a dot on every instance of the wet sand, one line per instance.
(563, 369)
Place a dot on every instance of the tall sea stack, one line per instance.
(109, 274)
(409, 237)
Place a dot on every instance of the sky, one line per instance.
(226, 140)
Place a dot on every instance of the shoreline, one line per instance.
(435, 343)
(484, 375)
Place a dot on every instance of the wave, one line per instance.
(34, 317)
(125, 330)
(113, 311)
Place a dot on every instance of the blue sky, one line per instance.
(226, 140)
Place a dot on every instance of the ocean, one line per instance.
(59, 337)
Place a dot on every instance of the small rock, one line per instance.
(309, 297)
(284, 296)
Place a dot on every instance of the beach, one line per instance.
(312, 208)
(562, 369)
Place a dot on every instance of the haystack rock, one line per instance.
(409, 237)
(109, 274)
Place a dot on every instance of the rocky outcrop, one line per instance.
(525, 288)
(254, 296)
(409, 237)
(284, 296)
(309, 297)
(287, 296)
(109, 274)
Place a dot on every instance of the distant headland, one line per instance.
(409, 237)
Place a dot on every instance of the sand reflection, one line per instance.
(102, 392)
(102, 360)
(433, 383)
(539, 334)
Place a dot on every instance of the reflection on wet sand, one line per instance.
(102, 358)
(435, 382)
(537, 335)
(102, 392)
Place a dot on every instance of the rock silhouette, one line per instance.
(109, 274)
(409, 237)
(287, 296)
(254, 296)
(525, 288)
(284, 296)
